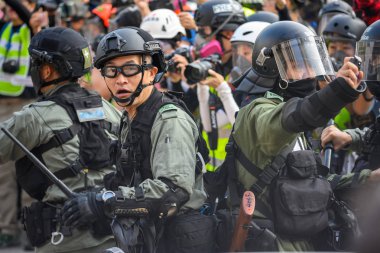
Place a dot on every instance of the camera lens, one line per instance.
(10, 66)
(197, 71)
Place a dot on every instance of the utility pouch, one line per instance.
(191, 232)
(300, 196)
(39, 222)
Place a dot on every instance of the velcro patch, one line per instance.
(168, 111)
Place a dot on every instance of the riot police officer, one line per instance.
(71, 131)
(363, 140)
(157, 177)
(267, 131)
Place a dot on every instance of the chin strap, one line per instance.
(134, 94)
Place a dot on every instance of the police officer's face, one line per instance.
(122, 86)
(346, 47)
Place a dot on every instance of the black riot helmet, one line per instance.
(331, 9)
(291, 52)
(131, 41)
(220, 15)
(65, 49)
(263, 16)
(368, 49)
(344, 27)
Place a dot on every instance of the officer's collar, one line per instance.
(271, 95)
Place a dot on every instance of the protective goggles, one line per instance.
(126, 70)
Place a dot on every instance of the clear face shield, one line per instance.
(369, 52)
(303, 58)
(241, 59)
(324, 20)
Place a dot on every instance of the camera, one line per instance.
(184, 51)
(10, 66)
(198, 71)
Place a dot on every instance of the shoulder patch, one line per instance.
(168, 107)
(168, 111)
(271, 95)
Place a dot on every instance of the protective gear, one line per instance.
(163, 24)
(344, 28)
(303, 58)
(330, 10)
(220, 15)
(248, 32)
(86, 111)
(130, 16)
(83, 210)
(301, 89)
(263, 16)
(131, 41)
(72, 10)
(134, 156)
(242, 41)
(291, 51)
(368, 49)
(65, 49)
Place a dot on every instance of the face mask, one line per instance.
(299, 89)
(212, 47)
(338, 59)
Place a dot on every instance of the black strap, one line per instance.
(265, 176)
(70, 171)
(60, 137)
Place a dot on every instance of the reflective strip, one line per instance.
(213, 164)
(14, 84)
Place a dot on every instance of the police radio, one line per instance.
(358, 63)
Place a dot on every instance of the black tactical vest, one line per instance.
(133, 158)
(85, 109)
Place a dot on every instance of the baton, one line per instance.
(328, 148)
(66, 190)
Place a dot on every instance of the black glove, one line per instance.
(83, 210)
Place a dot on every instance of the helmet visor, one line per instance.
(241, 59)
(303, 58)
(324, 20)
(369, 52)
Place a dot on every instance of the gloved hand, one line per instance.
(83, 210)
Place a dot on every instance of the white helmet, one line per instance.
(248, 32)
(162, 24)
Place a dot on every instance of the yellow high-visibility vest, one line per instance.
(14, 46)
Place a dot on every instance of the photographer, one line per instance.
(164, 26)
(216, 21)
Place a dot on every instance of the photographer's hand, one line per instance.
(181, 64)
(187, 20)
(214, 80)
(143, 6)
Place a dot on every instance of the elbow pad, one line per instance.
(302, 114)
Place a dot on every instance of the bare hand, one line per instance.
(37, 19)
(281, 4)
(350, 73)
(187, 20)
(339, 138)
(143, 6)
(214, 80)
